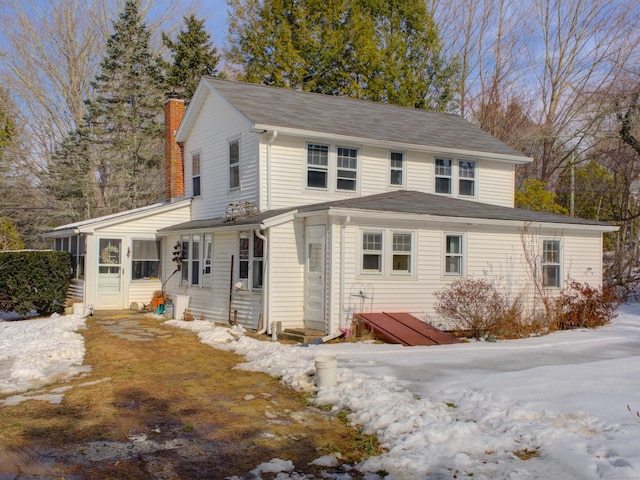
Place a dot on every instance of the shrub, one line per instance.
(479, 308)
(34, 280)
(582, 306)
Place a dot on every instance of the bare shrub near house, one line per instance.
(479, 307)
(581, 306)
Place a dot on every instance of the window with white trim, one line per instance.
(145, 259)
(466, 178)
(387, 252)
(372, 252)
(75, 245)
(317, 166)
(194, 258)
(207, 256)
(347, 168)
(443, 176)
(454, 256)
(184, 264)
(195, 174)
(456, 177)
(234, 164)
(251, 260)
(396, 169)
(401, 255)
(551, 272)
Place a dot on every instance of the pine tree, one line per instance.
(124, 120)
(376, 50)
(193, 55)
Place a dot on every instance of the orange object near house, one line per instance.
(155, 302)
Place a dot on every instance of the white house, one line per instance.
(304, 209)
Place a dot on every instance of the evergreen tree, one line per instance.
(370, 49)
(124, 125)
(70, 180)
(194, 56)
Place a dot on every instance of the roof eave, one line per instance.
(423, 217)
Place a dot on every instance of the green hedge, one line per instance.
(34, 281)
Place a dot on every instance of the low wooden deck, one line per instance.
(405, 329)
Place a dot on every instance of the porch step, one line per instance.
(301, 335)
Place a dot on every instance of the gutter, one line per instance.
(274, 135)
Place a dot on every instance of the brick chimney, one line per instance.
(173, 162)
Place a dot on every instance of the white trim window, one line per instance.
(206, 259)
(346, 168)
(145, 259)
(443, 176)
(184, 262)
(250, 260)
(317, 166)
(454, 254)
(396, 169)
(195, 174)
(192, 260)
(551, 267)
(401, 255)
(234, 164)
(456, 177)
(387, 252)
(466, 178)
(372, 252)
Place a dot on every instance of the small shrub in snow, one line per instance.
(478, 307)
(582, 306)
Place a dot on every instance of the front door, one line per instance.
(314, 286)
(110, 274)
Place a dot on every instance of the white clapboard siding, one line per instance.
(495, 180)
(496, 254)
(209, 137)
(286, 266)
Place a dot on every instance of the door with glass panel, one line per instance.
(110, 274)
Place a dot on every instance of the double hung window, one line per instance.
(454, 255)
(551, 263)
(347, 171)
(443, 176)
(195, 175)
(455, 177)
(396, 169)
(317, 166)
(234, 164)
(387, 252)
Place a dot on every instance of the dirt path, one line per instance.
(159, 404)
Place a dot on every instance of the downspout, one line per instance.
(346, 220)
(274, 135)
(266, 297)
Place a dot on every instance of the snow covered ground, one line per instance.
(550, 407)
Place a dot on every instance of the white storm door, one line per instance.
(110, 274)
(314, 287)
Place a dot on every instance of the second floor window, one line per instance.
(317, 166)
(234, 164)
(347, 163)
(467, 178)
(195, 177)
(396, 170)
(443, 176)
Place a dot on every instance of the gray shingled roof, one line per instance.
(266, 106)
(408, 202)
